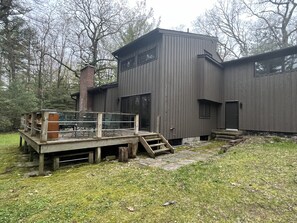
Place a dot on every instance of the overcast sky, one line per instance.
(178, 12)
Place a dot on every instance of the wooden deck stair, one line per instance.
(155, 144)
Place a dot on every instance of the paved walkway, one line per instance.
(180, 158)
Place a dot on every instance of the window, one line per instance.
(204, 109)
(276, 65)
(128, 64)
(147, 56)
(138, 104)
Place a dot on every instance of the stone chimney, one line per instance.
(86, 81)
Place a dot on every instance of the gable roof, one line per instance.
(154, 35)
(264, 56)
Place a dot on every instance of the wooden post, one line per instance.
(56, 163)
(98, 155)
(123, 154)
(21, 141)
(44, 127)
(26, 122)
(136, 124)
(99, 125)
(31, 154)
(41, 163)
(91, 157)
(22, 122)
(26, 147)
(33, 124)
(158, 124)
(134, 149)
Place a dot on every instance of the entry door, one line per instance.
(139, 104)
(232, 115)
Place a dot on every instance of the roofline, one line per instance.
(161, 31)
(263, 56)
(102, 87)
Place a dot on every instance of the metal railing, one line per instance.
(59, 125)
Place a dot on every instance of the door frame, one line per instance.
(228, 101)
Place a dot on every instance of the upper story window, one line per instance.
(147, 56)
(276, 65)
(128, 64)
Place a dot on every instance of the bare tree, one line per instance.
(226, 21)
(140, 21)
(275, 24)
(246, 27)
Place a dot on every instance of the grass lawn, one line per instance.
(253, 182)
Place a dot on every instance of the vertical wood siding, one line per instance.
(143, 79)
(112, 104)
(210, 81)
(269, 103)
(179, 108)
(99, 101)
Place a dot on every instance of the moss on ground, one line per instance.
(253, 182)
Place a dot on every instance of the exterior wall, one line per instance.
(99, 101)
(210, 80)
(143, 79)
(179, 107)
(268, 103)
(112, 103)
(106, 100)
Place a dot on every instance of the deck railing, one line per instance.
(61, 125)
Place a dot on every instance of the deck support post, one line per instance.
(99, 125)
(134, 148)
(31, 154)
(44, 127)
(21, 142)
(98, 155)
(41, 163)
(56, 163)
(136, 124)
(25, 147)
(33, 124)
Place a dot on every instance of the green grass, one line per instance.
(253, 182)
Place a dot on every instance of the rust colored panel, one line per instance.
(53, 126)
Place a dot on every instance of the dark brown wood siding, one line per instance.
(210, 80)
(112, 100)
(143, 79)
(179, 107)
(268, 103)
(99, 101)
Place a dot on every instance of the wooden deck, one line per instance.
(74, 144)
(47, 136)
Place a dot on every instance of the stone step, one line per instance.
(226, 136)
(227, 132)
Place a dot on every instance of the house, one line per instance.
(179, 86)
